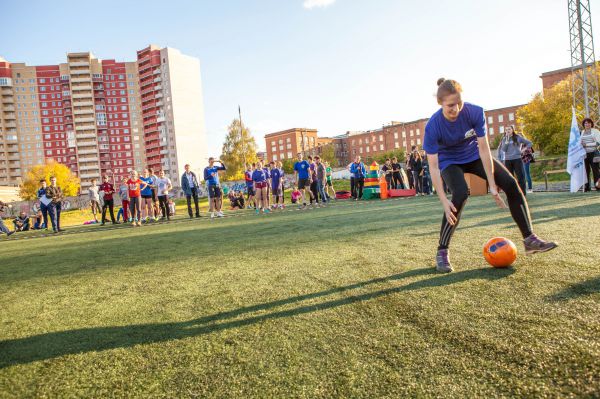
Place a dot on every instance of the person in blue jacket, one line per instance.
(215, 195)
(456, 143)
(359, 171)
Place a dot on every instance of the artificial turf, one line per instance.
(334, 302)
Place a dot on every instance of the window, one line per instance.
(500, 118)
(396, 136)
(511, 116)
(289, 154)
(412, 133)
(491, 130)
(396, 145)
(274, 157)
(404, 134)
(501, 129)
(381, 137)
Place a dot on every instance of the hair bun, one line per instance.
(440, 81)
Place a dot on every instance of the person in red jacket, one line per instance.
(108, 189)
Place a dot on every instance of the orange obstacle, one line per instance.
(383, 188)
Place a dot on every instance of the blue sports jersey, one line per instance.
(276, 175)
(148, 189)
(302, 168)
(455, 142)
(259, 176)
(41, 192)
(212, 180)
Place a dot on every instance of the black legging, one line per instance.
(515, 168)
(398, 182)
(417, 181)
(108, 204)
(593, 167)
(163, 203)
(454, 177)
(359, 183)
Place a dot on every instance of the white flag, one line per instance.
(575, 165)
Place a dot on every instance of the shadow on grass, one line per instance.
(577, 290)
(57, 344)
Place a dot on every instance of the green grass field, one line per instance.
(334, 302)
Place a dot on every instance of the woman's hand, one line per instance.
(450, 211)
(499, 201)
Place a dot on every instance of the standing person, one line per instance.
(352, 181)
(313, 181)
(94, 197)
(359, 171)
(135, 186)
(388, 171)
(124, 195)
(302, 174)
(163, 186)
(108, 189)
(44, 201)
(55, 195)
(397, 174)
(215, 195)
(155, 204)
(260, 179)
(250, 186)
(426, 175)
(416, 168)
(527, 158)
(277, 184)
(3, 228)
(409, 174)
(147, 201)
(267, 170)
(456, 143)
(511, 146)
(191, 189)
(590, 140)
(321, 174)
(329, 174)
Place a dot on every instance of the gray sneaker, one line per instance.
(534, 244)
(442, 261)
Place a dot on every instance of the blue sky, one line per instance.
(336, 66)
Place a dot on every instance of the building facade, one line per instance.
(288, 143)
(102, 116)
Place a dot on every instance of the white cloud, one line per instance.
(310, 4)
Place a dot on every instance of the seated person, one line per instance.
(21, 222)
(238, 201)
(38, 221)
(296, 194)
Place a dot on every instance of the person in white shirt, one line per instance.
(94, 196)
(590, 140)
(163, 186)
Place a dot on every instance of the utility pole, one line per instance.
(584, 76)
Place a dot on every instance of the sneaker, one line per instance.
(197, 216)
(212, 215)
(130, 220)
(266, 210)
(220, 214)
(529, 191)
(442, 261)
(257, 211)
(139, 224)
(533, 244)
(10, 233)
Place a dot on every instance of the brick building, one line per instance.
(97, 116)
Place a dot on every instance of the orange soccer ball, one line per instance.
(500, 252)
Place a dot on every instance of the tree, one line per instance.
(66, 180)
(328, 154)
(237, 149)
(288, 166)
(398, 153)
(546, 119)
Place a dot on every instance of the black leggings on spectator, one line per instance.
(515, 167)
(454, 177)
(163, 203)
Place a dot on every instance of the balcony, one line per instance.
(88, 176)
(85, 136)
(8, 100)
(86, 143)
(87, 95)
(9, 115)
(6, 90)
(9, 108)
(80, 71)
(81, 88)
(83, 152)
(78, 63)
(164, 152)
(88, 167)
(10, 124)
(159, 103)
(84, 104)
(14, 158)
(158, 95)
(158, 79)
(81, 79)
(85, 127)
(156, 71)
(84, 111)
(160, 119)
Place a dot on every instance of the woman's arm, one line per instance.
(488, 165)
(523, 140)
(438, 184)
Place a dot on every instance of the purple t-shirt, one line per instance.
(455, 142)
(313, 172)
(259, 176)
